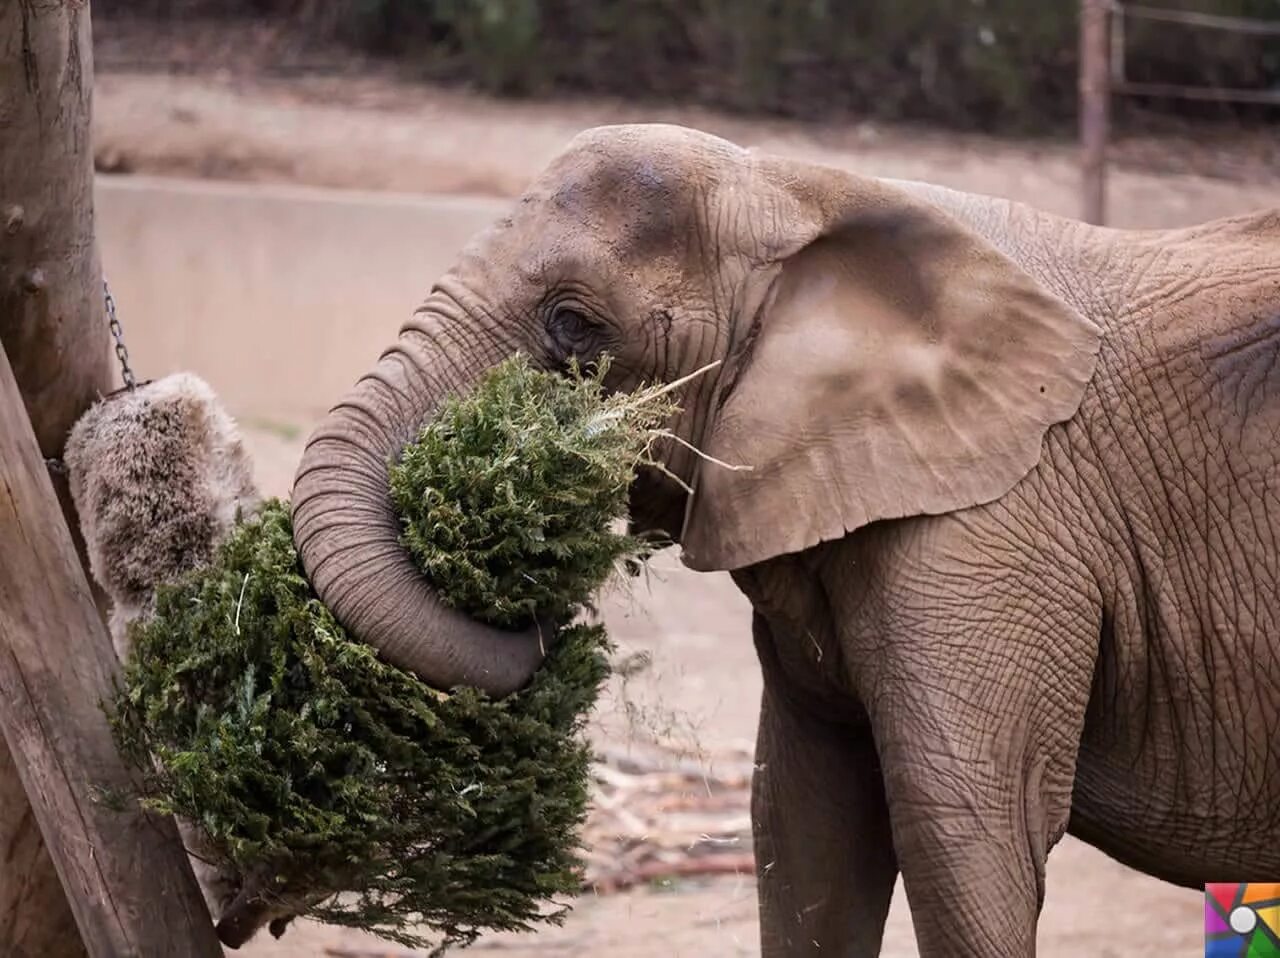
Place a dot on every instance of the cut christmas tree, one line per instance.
(337, 786)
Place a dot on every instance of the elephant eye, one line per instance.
(573, 331)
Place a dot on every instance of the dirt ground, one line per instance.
(703, 685)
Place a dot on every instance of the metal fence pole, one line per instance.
(1095, 103)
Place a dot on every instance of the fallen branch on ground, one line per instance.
(658, 813)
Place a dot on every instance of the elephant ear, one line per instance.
(898, 364)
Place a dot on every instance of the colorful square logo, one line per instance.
(1241, 920)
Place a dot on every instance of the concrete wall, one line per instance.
(279, 297)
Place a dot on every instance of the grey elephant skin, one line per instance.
(1009, 526)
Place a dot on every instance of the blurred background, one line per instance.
(280, 181)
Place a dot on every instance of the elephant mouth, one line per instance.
(656, 506)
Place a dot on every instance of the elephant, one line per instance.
(1004, 498)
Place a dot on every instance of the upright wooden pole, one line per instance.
(52, 328)
(1095, 108)
(47, 267)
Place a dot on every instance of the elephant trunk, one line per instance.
(348, 534)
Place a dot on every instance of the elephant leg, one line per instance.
(978, 761)
(972, 860)
(824, 852)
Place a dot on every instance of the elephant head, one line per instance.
(877, 359)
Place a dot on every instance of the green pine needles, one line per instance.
(508, 496)
(346, 786)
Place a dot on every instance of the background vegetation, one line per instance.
(985, 64)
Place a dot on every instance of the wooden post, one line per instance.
(125, 872)
(53, 330)
(47, 266)
(1095, 107)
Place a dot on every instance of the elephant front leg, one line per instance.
(978, 759)
(824, 854)
(972, 861)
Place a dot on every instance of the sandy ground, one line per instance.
(704, 683)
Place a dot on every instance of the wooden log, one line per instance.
(35, 918)
(124, 871)
(49, 284)
(743, 864)
(1095, 109)
(52, 327)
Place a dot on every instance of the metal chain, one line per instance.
(117, 333)
(54, 464)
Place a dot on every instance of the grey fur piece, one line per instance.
(158, 476)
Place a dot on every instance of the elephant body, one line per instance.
(1008, 519)
(1095, 651)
